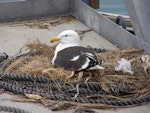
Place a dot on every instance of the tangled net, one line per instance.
(115, 85)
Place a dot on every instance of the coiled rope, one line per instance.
(13, 109)
(19, 88)
(33, 84)
(97, 50)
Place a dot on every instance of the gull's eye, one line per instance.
(65, 35)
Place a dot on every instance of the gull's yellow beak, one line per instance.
(52, 40)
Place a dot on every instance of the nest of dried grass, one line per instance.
(117, 84)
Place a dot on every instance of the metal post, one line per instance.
(105, 27)
(86, 1)
(139, 12)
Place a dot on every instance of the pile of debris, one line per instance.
(125, 75)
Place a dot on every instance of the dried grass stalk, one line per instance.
(117, 84)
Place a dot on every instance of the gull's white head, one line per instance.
(67, 37)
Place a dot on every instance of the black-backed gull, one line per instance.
(71, 56)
